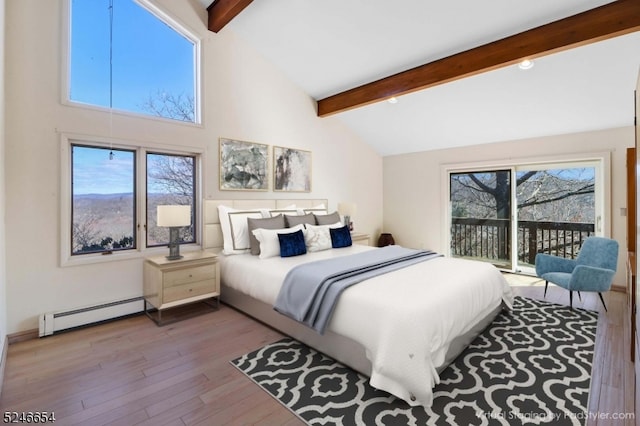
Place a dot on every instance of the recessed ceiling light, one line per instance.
(525, 64)
(392, 100)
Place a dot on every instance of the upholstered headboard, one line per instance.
(212, 232)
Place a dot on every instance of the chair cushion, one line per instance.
(600, 252)
(559, 278)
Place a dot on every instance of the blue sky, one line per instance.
(148, 56)
(576, 173)
(95, 173)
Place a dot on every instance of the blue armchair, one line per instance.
(592, 270)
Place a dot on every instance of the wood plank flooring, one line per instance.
(132, 372)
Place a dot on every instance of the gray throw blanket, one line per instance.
(310, 291)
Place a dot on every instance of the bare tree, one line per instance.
(178, 107)
(84, 234)
(539, 196)
(490, 192)
(483, 201)
(173, 174)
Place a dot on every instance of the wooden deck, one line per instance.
(132, 372)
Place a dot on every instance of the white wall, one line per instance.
(3, 269)
(413, 183)
(244, 98)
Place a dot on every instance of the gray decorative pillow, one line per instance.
(300, 220)
(327, 219)
(276, 222)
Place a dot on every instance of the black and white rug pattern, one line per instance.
(530, 366)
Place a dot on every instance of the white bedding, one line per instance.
(405, 319)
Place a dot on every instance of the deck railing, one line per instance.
(491, 238)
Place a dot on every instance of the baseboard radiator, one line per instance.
(53, 322)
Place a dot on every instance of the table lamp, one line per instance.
(347, 210)
(174, 217)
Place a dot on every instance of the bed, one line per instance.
(398, 328)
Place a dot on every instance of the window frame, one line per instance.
(134, 201)
(67, 140)
(170, 21)
(146, 197)
(603, 179)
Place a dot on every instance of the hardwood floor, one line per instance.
(132, 372)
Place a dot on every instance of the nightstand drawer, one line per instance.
(190, 275)
(185, 291)
(360, 238)
(169, 284)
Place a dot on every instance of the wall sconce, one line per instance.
(347, 210)
(174, 217)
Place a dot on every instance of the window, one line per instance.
(124, 57)
(481, 215)
(114, 193)
(103, 199)
(170, 180)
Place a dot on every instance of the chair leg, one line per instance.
(571, 299)
(546, 284)
(602, 300)
(579, 297)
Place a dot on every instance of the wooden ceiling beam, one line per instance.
(221, 12)
(608, 21)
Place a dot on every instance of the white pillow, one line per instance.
(235, 230)
(318, 237)
(266, 213)
(290, 209)
(319, 209)
(269, 242)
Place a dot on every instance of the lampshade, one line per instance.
(174, 216)
(347, 209)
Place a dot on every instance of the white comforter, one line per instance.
(405, 320)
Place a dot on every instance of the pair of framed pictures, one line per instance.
(244, 166)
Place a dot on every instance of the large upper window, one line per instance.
(124, 57)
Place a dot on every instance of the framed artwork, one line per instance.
(243, 166)
(291, 170)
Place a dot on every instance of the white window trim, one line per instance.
(603, 211)
(65, 231)
(65, 83)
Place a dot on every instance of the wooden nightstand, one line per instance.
(172, 283)
(360, 238)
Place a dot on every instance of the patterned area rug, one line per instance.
(530, 366)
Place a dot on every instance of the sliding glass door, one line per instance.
(556, 210)
(481, 207)
(506, 216)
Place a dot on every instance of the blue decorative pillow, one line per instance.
(340, 237)
(292, 244)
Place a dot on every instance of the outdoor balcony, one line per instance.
(490, 239)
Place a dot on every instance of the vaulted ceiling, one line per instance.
(584, 74)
